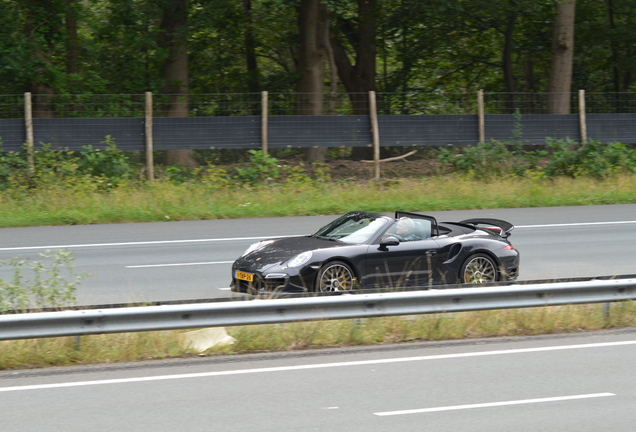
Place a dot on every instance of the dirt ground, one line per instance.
(359, 170)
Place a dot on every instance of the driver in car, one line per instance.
(404, 230)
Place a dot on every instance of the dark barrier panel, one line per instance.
(206, 132)
(74, 133)
(319, 131)
(309, 131)
(611, 128)
(532, 128)
(432, 130)
(12, 134)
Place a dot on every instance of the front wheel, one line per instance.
(335, 276)
(478, 268)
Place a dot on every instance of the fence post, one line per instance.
(28, 123)
(264, 112)
(373, 113)
(480, 116)
(150, 165)
(582, 120)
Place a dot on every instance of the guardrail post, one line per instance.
(606, 311)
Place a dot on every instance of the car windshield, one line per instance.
(356, 228)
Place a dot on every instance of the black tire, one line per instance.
(335, 276)
(478, 268)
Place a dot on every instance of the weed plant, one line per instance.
(35, 353)
(559, 158)
(47, 283)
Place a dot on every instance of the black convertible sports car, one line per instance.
(371, 251)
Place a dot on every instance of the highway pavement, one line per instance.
(578, 383)
(191, 260)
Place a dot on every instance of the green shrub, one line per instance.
(481, 161)
(262, 168)
(560, 158)
(111, 163)
(51, 282)
(593, 159)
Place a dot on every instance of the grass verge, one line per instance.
(197, 201)
(34, 353)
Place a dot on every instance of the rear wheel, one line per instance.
(478, 268)
(335, 276)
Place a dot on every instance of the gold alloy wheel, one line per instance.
(479, 269)
(336, 276)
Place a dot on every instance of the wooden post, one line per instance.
(373, 113)
(264, 112)
(28, 123)
(582, 120)
(150, 163)
(480, 115)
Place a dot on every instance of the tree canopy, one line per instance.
(243, 46)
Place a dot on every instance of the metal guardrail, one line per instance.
(170, 317)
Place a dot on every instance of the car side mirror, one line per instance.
(389, 241)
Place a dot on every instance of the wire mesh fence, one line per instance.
(248, 120)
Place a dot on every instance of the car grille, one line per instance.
(260, 284)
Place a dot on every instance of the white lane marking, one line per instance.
(225, 289)
(574, 224)
(316, 366)
(494, 404)
(140, 243)
(180, 264)
(259, 238)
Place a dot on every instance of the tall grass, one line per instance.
(165, 201)
(35, 353)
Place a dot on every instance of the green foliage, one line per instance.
(592, 159)
(110, 163)
(103, 168)
(51, 282)
(262, 168)
(481, 161)
(561, 158)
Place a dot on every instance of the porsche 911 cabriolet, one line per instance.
(363, 250)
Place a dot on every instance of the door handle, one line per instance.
(431, 253)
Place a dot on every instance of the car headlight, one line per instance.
(257, 246)
(300, 259)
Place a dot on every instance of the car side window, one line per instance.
(409, 229)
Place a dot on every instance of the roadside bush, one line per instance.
(64, 167)
(51, 282)
(262, 168)
(487, 160)
(111, 163)
(560, 158)
(593, 159)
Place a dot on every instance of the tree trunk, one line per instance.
(72, 43)
(507, 58)
(41, 83)
(174, 25)
(358, 78)
(250, 55)
(560, 81)
(312, 25)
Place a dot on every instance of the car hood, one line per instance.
(283, 249)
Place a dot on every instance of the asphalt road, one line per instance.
(191, 260)
(577, 383)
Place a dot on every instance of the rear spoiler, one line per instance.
(502, 227)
